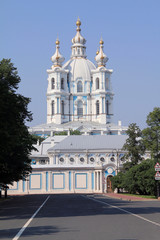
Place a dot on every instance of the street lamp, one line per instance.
(116, 151)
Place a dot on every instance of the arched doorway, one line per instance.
(109, 184)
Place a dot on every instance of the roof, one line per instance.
(88, 142)
(45, 145)
(77, 125)
(79, 68)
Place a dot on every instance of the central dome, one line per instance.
(79, 68)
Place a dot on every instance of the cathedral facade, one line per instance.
(79, 97)
(79, 90)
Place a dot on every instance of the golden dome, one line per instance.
(101, 41)
(57, 42)
(78, 23)
(97, 52)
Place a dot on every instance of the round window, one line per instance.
(61, 159)
(102, 159)
(71, 159)
(92, 159)
(112, 159)
(82, 159)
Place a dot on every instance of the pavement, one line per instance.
(76, 216)
(128, 198)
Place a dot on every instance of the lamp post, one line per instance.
(116, 151)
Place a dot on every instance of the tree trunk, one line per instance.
(5, 195)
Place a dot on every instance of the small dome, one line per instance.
(78, 38)
(78, 43)
(79, 68)
(101, 58)
(57, 58)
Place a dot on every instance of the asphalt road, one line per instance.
(77, 217)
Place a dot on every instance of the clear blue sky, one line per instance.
(131, 34)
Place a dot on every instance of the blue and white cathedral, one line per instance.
(79, 93)
(79, 90)
(79, 97)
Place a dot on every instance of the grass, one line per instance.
(142, 196)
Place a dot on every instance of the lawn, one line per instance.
(137, 195)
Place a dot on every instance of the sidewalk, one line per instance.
(127, 197)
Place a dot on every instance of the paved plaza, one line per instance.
(70, 217)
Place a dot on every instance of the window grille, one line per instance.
(62, 83)
(52, 107)
(80, 109)
(79, 86)
(53, 83)
(62, 107)
(97, 107)
(97, 83)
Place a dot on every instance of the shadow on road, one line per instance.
(67, 205)
(33, 231)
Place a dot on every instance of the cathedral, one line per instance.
(79, 93)
(79, 97)
(79, 90)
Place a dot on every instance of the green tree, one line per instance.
(134, 146)
(37, 138)
(75, 132)
(16, 142)
(60, 133)
(117, 181)
(139, 179)
(151, 134)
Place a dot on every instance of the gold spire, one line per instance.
(78, 23)
(97, 52)
(57, 41)
(101, 41)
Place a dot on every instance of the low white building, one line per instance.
(73, 164)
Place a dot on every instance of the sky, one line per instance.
(131, 33)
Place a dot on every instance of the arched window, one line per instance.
(107, 83)
(97, 83)
(52, 107)
(79, 86)
(62, 107)
(97, 107)
(107, 107)
(52, 83)
(80, 108)
(62, 83)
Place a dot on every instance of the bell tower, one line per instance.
(57, 92)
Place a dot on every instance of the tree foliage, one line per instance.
(16, 142)
(61, 133)
(37, 138)
(138, 179)
(75, 132)
(134, 146)
(72, 132)
(137, 176)
(151, 134)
